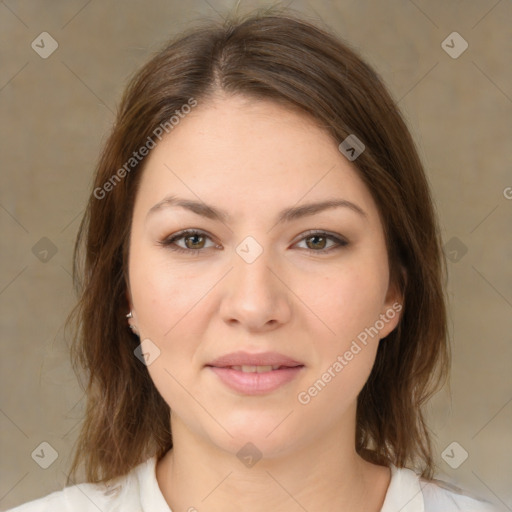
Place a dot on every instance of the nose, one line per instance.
(255, 296)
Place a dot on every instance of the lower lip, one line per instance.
(254, 383)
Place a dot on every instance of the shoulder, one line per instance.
(77, 498)
(443, 496)
(408, 492)
(119, 495)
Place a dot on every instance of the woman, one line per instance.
(262, 312)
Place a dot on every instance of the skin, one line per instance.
(254, 158)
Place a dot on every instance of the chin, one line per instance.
(257, 431)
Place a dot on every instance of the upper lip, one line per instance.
(241, 358)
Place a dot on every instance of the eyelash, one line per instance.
(169, 242)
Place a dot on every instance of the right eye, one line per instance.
(197, 237)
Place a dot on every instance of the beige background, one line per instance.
(55, 113)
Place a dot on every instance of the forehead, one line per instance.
(245, 153)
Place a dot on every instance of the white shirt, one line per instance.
(138, 491)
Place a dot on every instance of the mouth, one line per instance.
(267, 360)
(258, 369)
(255, 374)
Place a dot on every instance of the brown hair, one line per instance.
(280, 57)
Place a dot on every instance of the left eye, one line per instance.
(320, 240)
(194, 241)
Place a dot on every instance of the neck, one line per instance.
(326, 474)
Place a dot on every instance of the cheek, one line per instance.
(163, 294)
(349, 299)
(164, 300)
(349, 304)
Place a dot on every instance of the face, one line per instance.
(305, 296)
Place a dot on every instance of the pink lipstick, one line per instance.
(255, 374)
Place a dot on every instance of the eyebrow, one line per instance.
(286, 215)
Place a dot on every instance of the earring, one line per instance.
(132, 327)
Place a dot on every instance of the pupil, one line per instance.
(318, 237)
(193, 236)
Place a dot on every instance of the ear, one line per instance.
(132, 321)
(129, 298)
(131, 316)
(393, 304)
(128, 294)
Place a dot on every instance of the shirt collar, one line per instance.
(151, 497)
(404, 492)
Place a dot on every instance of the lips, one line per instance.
(241, 358)
(255, 374)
